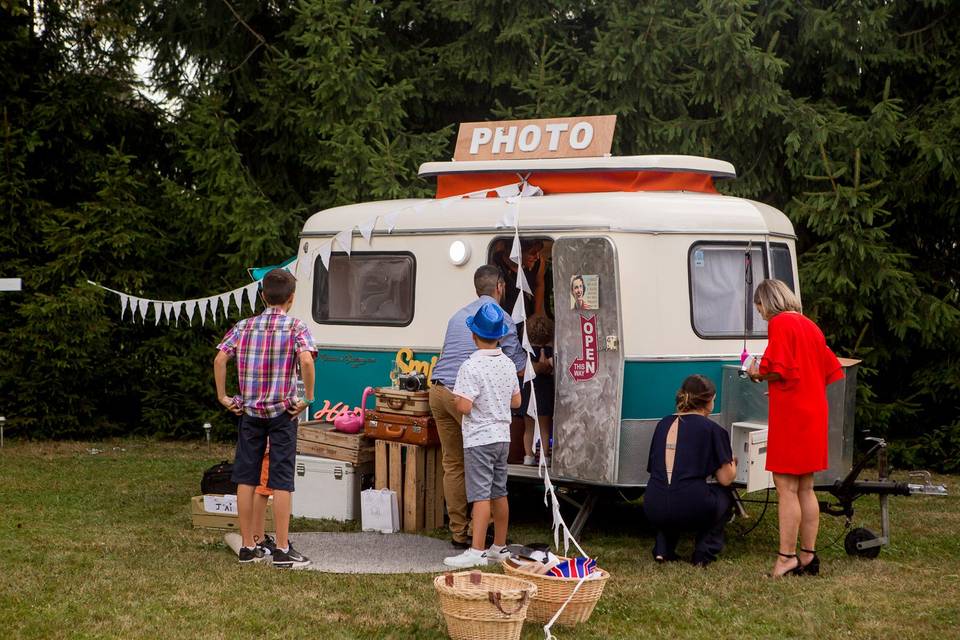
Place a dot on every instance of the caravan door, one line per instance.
(588, 361)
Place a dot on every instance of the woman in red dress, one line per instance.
(798, 366)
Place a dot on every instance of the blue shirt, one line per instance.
(458, 344)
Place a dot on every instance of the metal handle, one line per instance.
(396, 403)
(395, 430)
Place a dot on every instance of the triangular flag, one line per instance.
(168, 311)
(478, 194)
(510, 216)
(191, 307)
(519, 311)
(528, 373)
(526, 341)
(522, 282)
(366, 229)
(252, 295)
(530, 190)
(508, 190)
(214, 305)
(532, 412)
(516, 249)
(123, 304)
(390, 220)
(142, 306)
(225, 303)
(345, 239)
(157, 308)
(202, 304)
(325, 249)
(238, 298)
(177, 306)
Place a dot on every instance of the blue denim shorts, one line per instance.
(252, 434)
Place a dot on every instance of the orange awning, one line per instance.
(452, 184)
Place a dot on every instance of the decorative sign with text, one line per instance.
(585, 367)
(582, 137)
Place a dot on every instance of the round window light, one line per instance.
(459, 252)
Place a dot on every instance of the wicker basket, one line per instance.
(483, 606)
(552, 592)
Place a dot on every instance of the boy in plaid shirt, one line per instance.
(268, 349)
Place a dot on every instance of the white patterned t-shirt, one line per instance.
(488, 378)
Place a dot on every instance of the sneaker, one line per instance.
(469, 558)
(268, 544)
(529, 461)
(289, 559)
(249, 556)
(496, 553)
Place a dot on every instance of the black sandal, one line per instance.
(796, 571)
(812, 568)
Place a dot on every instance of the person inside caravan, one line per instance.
(534, 270)
(797, 365)
(458, 345)
(687, 449)
(540, 334)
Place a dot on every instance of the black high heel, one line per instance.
(796, 571)
(812, 568)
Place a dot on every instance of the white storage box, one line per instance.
(326, 488)
(750, 448)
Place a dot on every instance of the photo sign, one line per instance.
(580, 137)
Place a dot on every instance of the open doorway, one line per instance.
(536, 260)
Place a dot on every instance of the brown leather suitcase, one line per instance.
(411, 403)
(418, 430)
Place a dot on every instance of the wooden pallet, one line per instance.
(416, 474)
(319, 439)
(206, 520)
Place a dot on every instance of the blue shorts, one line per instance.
(252, 434)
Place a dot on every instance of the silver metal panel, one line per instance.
(586, 415)
(635, 439)
(746, 401)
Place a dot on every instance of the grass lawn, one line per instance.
(101, 545)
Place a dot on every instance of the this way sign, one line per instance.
(585, 367)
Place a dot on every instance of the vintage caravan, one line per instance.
(668, 264)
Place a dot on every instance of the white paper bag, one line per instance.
(379, 510)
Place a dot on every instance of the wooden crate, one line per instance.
(319, 439)
(205, 519)
(416, 474)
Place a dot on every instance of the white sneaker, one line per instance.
(496, 553)
(469, 558)
(529, 461)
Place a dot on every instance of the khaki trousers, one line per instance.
(448, 419)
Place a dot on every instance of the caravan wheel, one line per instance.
(861, 535)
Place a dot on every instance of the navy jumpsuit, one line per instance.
(688, 504)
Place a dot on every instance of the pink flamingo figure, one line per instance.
(351, 422)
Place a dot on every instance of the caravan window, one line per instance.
(717, 290)
(373, 288)
(780, 264)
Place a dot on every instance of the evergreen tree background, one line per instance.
(845, 115)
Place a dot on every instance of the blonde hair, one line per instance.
(774, 296)
(695, 393)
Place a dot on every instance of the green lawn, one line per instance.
(101, 545)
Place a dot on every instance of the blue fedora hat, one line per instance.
(488, 322)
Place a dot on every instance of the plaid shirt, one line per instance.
(267, 347)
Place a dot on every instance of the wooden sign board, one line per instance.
(580, 137)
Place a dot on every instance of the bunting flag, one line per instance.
(170, 310)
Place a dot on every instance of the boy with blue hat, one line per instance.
(486, 389)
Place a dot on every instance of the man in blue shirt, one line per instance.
(458, 345)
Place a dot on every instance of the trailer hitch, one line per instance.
(861, 541)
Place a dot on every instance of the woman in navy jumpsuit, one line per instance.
(687, 449)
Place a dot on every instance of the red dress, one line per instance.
(797, 434)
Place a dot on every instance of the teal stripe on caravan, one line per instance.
(649, 388)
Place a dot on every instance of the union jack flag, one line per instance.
(573, 568)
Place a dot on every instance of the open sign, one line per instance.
(527, 139)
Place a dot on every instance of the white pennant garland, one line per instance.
(345, 239)
(191, 308)
(123, 304)
(238, 299)
(390, 220)
(157, 307)
(325, 249)
(142, 306)
(177, 306)
(225, 303)
(202, 305)
(366, 229)
(214, 305)
(251, 290)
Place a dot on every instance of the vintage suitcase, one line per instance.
(418, 430)
(409, 403)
